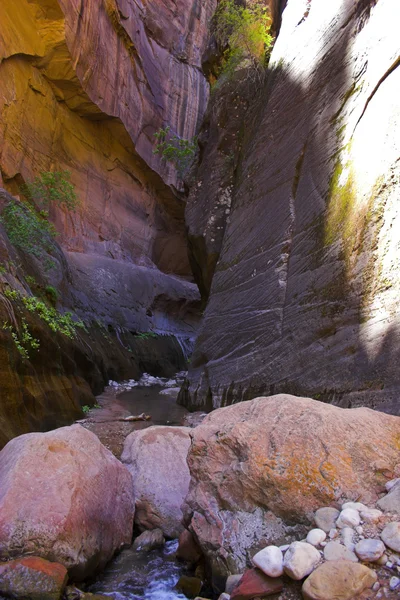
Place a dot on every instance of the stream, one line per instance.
(136, 575)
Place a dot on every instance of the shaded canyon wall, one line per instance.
(300, 241)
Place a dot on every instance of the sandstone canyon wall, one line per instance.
(300, 238)
(84, 87)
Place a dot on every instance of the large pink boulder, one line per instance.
(262, 466)
(156, 457)
(64, 497)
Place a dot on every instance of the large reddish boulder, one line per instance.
(156, 457)
(255, 584)
(261, 466)
(34, 578)
(64, 497)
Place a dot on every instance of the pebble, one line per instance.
(269, 561)
(359, 530)
(315, 537)
(325, 518)
(224, 596)
(300, 560)
(333, 534)
(370, 550)
(391, 536)
(372, 515)
(347, 535)
(336, 551)
(376, 586)
(349, 517)
(394, 583)
(383, 560)
(358, 506)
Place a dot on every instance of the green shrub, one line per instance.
(31, 281)
(26, 229)
(85, 409)
(58, 322)
(147, 335)
(245, 31)
(174, 149)
(52, 188)
(23, 339)
(51, 293)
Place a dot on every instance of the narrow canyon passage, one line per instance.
(199, 300)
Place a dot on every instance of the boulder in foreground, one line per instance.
(34, 578)
(260, 467)
(64, 497)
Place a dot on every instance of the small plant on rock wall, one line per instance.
(244, 32)
(23, 339)
(52, 187)
(27, 229)
(178, 151)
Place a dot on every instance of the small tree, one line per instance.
(52, 187)
(178, 151)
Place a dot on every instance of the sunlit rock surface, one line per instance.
(305, 294)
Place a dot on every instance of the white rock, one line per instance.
(376, 586)
(391, 536)
(347, 535)
(315, 537)
(300, 560)
(390, 484)
(224, 596)
(336, 551)
(359, 506)
(372, 515)
(349, 517)
(359, 530)
(394, 583)
(333, 534)
(370, 550)
(270, 561)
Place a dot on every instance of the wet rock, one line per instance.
(370, 550)
(189, 586)
(229, 447)
(315, 537)
(66, 498)
(341, 580)
(188, 549)
(156, 458)
(255, 583)
(34, 578)
(269, 561)
(300, 560)
(336, 551)
(391, 536)
(148, 540)
(325, 518)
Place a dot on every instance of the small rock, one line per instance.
(148, 540)
(232, 582)
(255, 583)
(390, 484)
(394, 583)
(189, 586)
(389, 565)
(391, 536)
(340, 579)
(372, 515)
(358, 506)
(300, 560)
(188, 549)
(224, 596)
(315, 537)
(270, 561)
(359, 530)
(347, 535)
(325, 518)
(376, 586)
(33, 577)
(335, 551)
(333, 533)
(370, 550)
(383, 560)
(349, 517)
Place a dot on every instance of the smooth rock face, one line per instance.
(66, 498)
(269, 561)
(336, 551)
(300, 560)
(255, 584)
(33, 578)
(391, 536)
(156, 458)
(326, 518)
(241, 457)
(370, 550)
(341, 580)
(306, 301)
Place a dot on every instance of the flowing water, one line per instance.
(138, 575)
